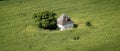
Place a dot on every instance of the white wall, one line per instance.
(64, 27)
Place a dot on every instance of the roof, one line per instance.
(64, 19)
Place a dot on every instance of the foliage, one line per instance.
(45, 20)
(76, 38)
(88, 23)
(3, 0)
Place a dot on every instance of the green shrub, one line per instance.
(3, 0)
(88, 23)
(45, 20)
(76, 38)
(75, 25)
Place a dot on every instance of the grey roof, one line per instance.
(64, 19)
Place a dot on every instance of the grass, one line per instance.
(18, 33)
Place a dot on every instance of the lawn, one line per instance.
(19, 33)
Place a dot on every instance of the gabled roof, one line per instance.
(64, 19)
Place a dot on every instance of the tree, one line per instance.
(45, 20)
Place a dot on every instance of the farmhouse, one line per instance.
(64, 22)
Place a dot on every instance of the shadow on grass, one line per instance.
(52, 29)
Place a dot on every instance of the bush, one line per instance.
(75, 25)
(88, 23)
(76, 38)
(45, 20)
(3, 0)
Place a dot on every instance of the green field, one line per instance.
(18, 32)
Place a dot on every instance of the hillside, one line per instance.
(18, 32)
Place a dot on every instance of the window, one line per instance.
(68, 20)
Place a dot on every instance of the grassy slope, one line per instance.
(17, 33)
